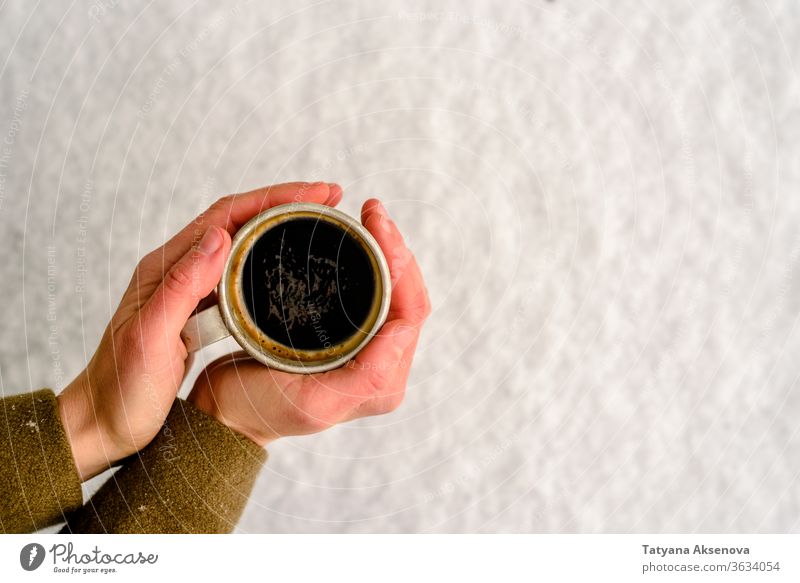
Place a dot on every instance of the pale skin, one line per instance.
(117, 404)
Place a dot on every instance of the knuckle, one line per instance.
(420, 307)
(420, 313)
(382, 405)
(394, 400)
(178, 277)
(150, 262)
(426, 307)
(223, 203)
(425, 301)
(376, 377)
(220, 208)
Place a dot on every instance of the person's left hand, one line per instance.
(119, 402)
(265, 404)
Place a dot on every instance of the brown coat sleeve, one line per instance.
(39, 484)
(195, 476)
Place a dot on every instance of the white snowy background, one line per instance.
(604, 198)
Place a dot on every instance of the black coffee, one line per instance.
(308, 284)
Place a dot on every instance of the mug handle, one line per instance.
(204, 328)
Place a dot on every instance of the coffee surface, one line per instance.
(308, 284)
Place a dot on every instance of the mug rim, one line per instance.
(249, 343)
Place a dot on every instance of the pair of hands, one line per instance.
(118, 404)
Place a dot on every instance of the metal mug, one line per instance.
(230, 316)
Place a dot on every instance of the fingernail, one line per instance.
(211, 242)
(379, 211)
(335, 191)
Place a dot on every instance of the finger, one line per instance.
(189, 279)
(380, 369)
(391, 352)
(335, 196)
(409, 296)
(231, 212)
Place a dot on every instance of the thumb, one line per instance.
(188, 281)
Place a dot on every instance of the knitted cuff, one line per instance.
(195, 476)
(40, 483)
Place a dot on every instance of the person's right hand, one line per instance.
(264, 404)
(118, 403)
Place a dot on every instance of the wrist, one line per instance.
(90, 451)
